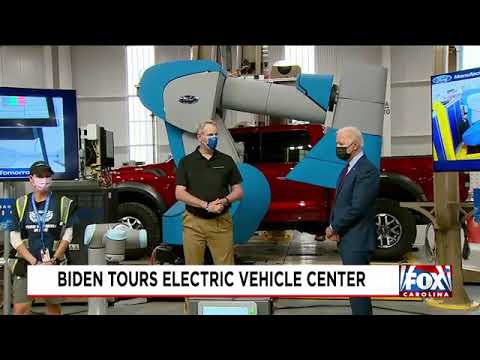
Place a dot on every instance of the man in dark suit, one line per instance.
(352, 220)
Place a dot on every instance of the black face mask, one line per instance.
(342, 152)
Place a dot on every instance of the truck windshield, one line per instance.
(251, 147)
(284, 147)
(274, 147)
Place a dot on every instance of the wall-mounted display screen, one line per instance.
(38, 124)
(456, 121)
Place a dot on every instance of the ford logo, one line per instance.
(442, 79)
(188, 99)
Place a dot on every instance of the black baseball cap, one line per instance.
(41, 169)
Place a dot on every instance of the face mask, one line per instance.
(212, 142)
(41, 184)
(342, 153)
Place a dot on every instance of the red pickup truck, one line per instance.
(146, 192)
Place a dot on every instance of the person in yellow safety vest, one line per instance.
(40, 235)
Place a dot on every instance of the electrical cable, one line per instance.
(306, 307)
(78, 312)
(401, 311)
(152, 260)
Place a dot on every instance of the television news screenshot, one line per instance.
(192, 180)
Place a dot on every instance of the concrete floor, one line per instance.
(292, 248)
(282, 307)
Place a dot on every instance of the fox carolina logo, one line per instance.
(426, 281)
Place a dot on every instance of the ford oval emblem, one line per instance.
(442, 79)
(188, 99)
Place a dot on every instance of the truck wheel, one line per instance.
(396, 230)
(138, 216)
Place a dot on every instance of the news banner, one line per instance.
(433, 281)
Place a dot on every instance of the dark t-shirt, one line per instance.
(206, 179)
(30, 228)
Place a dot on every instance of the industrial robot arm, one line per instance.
(185, 93)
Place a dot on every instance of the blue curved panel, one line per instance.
(254, 205)
(156, 78)
(175, 141)
(322, 167)
(172, 222)
(316, 87)
(247, 214)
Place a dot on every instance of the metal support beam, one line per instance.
(447, 211)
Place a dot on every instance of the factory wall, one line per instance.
(99, 75)
(411, 68)
(23, 66)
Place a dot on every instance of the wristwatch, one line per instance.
(206, 207)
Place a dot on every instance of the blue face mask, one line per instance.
(212, 142)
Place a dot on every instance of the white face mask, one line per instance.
(41, 184)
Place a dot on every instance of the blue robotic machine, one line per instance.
(185, 93)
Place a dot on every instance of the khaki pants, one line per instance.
(215, 233)
(19, 292)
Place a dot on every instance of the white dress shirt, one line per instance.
(355, 159)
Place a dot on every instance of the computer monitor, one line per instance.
(38, 124)
(227, 308)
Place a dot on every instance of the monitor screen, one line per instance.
(38, 124)
(227, 308)
(456, 121)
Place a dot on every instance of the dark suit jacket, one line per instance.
(353, 215)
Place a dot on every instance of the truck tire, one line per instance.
(139, 216)
(396, 230)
